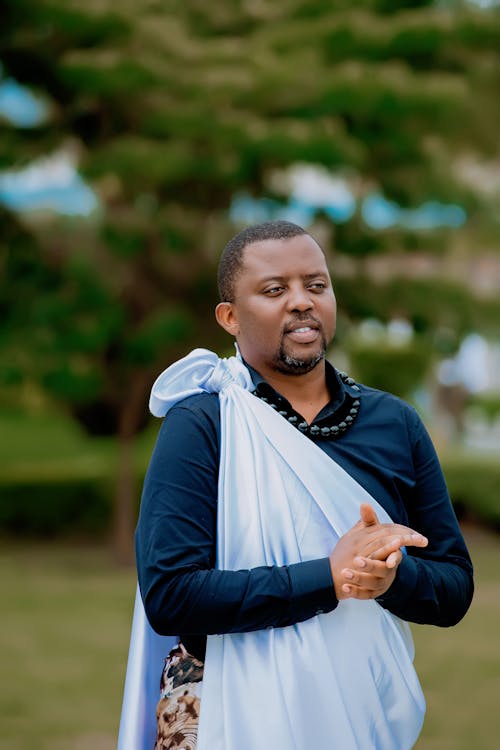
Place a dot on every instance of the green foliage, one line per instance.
(429, 304)
(63, 506)
(174, 108)
(486, 403)
(148, 342)
(397, 369)
(473, 485)
(171, 109)
(72, 380)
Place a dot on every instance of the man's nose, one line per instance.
(299, 299)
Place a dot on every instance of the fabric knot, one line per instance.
(201, 371)
(228, 372)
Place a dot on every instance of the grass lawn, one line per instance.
(64, 634)
(63, 638)
(460, 667)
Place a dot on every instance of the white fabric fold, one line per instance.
(147, 653)
(201, 371)
(339, 680)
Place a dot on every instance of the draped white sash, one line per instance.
(339, 680)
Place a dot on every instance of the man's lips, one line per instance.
(303, 332)
(300, 325)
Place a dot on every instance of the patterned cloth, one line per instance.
(178, 710)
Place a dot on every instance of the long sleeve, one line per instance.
(176, 536)
(433, 585)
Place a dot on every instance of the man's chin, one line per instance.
(293, 365)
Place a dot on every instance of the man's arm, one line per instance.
(175, 544)
(432, 585)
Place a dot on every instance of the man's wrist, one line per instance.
(313, 590)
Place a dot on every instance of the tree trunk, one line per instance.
(125, 501)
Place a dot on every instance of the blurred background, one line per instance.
(135, 139)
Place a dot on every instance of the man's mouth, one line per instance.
(303, 333)
(302, 325)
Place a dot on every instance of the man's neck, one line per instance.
(308, 393)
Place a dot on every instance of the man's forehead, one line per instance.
(283, 253)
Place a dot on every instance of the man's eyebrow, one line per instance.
(306, 276)
(321, 274)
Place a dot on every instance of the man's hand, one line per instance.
(364, 560)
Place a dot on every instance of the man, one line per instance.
(300, 564)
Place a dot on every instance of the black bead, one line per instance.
(325, 431)
(303, 426)
(292, 419)
(355, 403)
(342, 426)
(273, 406)
(314, 430)
(348, 420)
(350, 381)
(353, 412)
(264, 399)
(334, 430)
(283, 413)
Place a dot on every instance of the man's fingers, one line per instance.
(380, 549)
(354, 591)
(367, 576)
(367, 579)
(394, 559)
(377, 567)
(364, 560)
(415, 540)
(368, 515)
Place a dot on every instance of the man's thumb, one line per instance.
(368, 515)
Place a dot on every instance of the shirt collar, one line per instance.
(334, 383)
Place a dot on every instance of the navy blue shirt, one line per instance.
(387, 451)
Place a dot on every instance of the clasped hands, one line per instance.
(365, 559)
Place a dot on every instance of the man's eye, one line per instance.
(317, 286)
(273, 290)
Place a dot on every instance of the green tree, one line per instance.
(176, 106)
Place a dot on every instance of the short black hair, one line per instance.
(231, 260)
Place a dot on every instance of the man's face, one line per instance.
(284, 311)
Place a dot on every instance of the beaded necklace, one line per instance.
(349, 412)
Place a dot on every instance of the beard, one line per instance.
(287, 364)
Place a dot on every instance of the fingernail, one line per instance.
(349, 574)
(360, 562)
(346, 589)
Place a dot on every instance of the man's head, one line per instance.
(277, 298)
(231, 260)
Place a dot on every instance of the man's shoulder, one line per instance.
(195, 418)
(377, 394)
(391, 404)
(200, 404)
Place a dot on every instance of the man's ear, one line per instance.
(226, 317)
